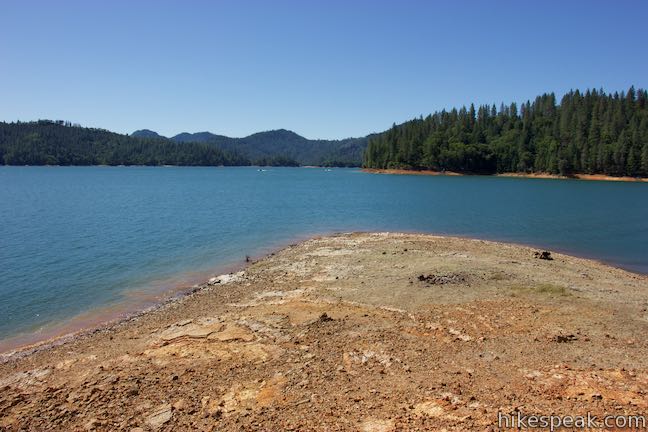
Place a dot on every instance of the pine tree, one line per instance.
(591, 132)
(644, 160)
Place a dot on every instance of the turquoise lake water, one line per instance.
(74, 239)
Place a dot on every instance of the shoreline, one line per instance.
(562, 251)
(589, 177)
(102, 320)
(184, 166)
(104, 317)
(120, 319)
(410, 330)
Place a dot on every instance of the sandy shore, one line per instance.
(598, 177)
(372, 332)
(410, 172)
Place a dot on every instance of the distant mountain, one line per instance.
(146, 133)
(199, 137)
(283, 144)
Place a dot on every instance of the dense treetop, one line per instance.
(58, 143)
(47, 142)
(590, 132)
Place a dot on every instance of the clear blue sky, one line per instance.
(325, 69)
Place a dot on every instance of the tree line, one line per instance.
(47, 142)
(589, 132)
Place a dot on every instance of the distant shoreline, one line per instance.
(183, 166)
(597, 177)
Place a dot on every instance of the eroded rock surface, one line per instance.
(342, 333)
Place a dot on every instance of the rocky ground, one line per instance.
(368, 332)
(595, 177)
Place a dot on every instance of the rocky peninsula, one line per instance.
(362, 331)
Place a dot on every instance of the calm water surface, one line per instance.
(73, 239)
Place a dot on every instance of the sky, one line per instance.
(324, 69)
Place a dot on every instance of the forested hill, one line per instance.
(590, 132)
(47, 142)
(280, 147)
(58, 143)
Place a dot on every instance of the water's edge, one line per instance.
(105, 318)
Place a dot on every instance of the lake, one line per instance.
(78, 240)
